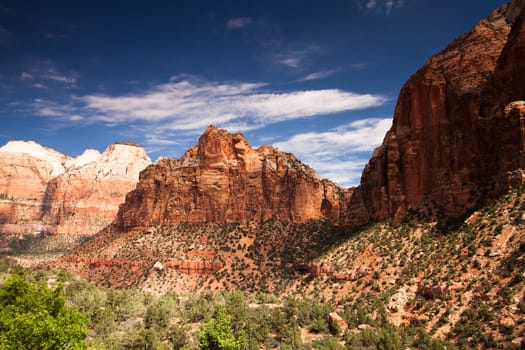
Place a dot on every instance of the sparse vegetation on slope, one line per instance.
(459, 279)
(132, 319)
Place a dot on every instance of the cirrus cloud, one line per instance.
(193, 104)
(384, 7)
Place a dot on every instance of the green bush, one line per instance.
(34, 317)
(217, 333)
(328, 343)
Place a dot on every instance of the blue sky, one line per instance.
(316, 78)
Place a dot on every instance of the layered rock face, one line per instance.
(86, 199)
(223, 179)
(45, 191)
(451, 135)
(25, 170)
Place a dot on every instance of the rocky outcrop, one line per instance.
(336, 322)
(192, 267)
(448, 139)
(432, 291)
(223, 179)
(315, 269)
(86, 199)
(25, 170)
(42, 190)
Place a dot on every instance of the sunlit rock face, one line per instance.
(46, 191)
(453, 141)
(223, 179)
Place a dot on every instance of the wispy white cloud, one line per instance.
(384, 7)
(291, 61)
(334, 153)
(294, 58)
(26, 76)
(159, 140)
(55, 76)
(50, 109)
(237, 23)
(319, 75)
(55, 110)
(47, 71)
(194, 104)
(290, 55)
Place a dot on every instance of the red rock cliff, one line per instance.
(441, 150)
(42, 190)
(86, 199)
(223, 179)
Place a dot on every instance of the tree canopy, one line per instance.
(35, 317)
(217, 333)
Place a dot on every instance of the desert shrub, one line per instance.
(178, 336)
(147, 339)
(126, 303)
(157, 316)
(199, 307)
(328, 343)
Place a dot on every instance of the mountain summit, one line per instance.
(223, 179)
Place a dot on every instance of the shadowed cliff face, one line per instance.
(450, 129)
(223, 179)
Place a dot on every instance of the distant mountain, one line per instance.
(44, 191)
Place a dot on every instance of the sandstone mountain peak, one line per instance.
(223, 179)
(45, 190)
(56, 160)
(88, 156)
(127, 143)
(121, 160)
(216, 142)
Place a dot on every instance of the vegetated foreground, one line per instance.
(133, 319)
(458, 279)
(456, 144)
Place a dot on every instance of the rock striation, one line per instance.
(25, 170)
(85, 199)
(453, 140)
(223, 179)
(44, 191)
